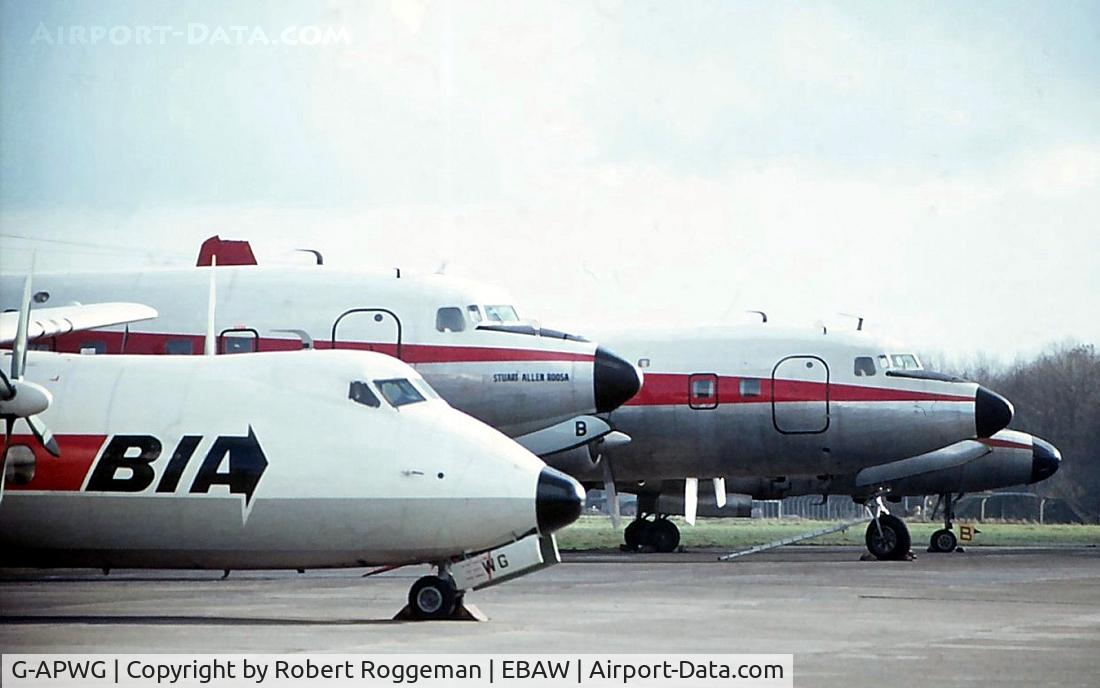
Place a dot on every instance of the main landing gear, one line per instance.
(887, 536)
(660, 534)
(944, 540)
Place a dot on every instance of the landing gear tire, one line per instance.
(893, 543)
(664, 536)
(943, 540)
(636, 534)
(432, 597)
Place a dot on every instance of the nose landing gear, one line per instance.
(437, 598)
(944, 540)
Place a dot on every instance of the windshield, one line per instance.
(501, 314)
(399, 391)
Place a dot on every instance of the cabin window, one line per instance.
(399, 391)
(179, 347)
(501, 314)
(643, 362)
(238, 340)
(905, 361)
(475, 314)
(750, 387)
(360, 393)
(95, 346)
(865, 366)
(703, 391)
(450, 319)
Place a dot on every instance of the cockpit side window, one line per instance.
(450, 319)
(905, 361)
(475, 314)
(884, 361)
(399, 391)
(501, 314)
(865, 365)
(360, 393)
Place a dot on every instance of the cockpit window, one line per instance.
(360, 393)
(475, 314)
(399, 391)
(501, 314)
(905, 361)
(884, 361)
(865, 365)
(450, 319)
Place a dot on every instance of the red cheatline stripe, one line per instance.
(63, 473)
(150, 343)
(671, 389)
(1003, 443)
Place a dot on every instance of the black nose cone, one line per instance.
(1045, 460)
(614, 381)
(992, 412)
(558, 500)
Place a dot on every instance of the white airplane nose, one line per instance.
(559, 500)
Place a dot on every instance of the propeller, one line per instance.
(18, 397)
(9, 423)
(720, 492)
(691, 499)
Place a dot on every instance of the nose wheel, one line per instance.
(660, 534)
(432, 597)
(944, 540)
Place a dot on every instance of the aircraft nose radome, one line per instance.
(558, 500)
(614, 381)
(1045, 460)
(992, 412)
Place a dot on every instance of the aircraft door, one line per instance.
(800, 395)
(368, 329)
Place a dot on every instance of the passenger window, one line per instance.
(399, 391)
(178, 347)
(703, 391)
(643, 362)
(475, 314)
(360, 393)
(238, 340)
(450, 319)
(750, 387)
(865, 365)
(93, 347)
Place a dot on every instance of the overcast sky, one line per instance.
(933, 167)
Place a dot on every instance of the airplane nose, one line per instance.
(1045, 460)
(992, 412)
(558, 500)
(614, 381)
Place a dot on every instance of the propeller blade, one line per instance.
(9, 423)
(7, 392)
(610, 492)
(43, 435)
(19, 346)
(720, 492)
(691, 499)
(210, 346)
